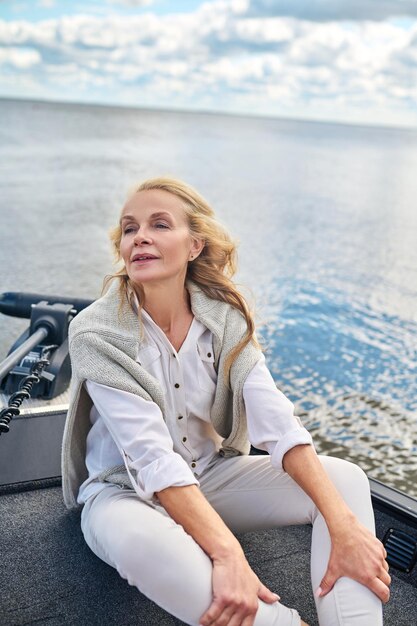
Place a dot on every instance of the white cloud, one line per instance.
(218, 57)
(132, 3)
(273, 30)
(19, 58)
(46, 4)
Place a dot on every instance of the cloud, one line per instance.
(46, 4)
(218, 58)
(132, 3)
(333, 10)
(19, 58)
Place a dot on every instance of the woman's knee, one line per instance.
(161, 561)
(118, 525)
(349, 479)
(353, 485)
(136, 538)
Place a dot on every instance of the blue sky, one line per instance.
(332, 60)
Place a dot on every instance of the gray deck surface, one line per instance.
(50, 577)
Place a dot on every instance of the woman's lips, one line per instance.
(144, 260)
(143, 256)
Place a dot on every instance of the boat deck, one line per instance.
(50, 576)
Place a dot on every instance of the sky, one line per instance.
(350, 61)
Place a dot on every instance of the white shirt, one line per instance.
(174, 449)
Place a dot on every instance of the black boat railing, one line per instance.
(17, 355)
(25, 389)
(38, 363)
(19, 304)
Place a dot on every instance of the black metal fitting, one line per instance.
(53, 317)
(53, 378)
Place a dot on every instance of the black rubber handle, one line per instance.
(18, 304)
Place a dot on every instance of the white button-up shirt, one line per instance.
(175, 449)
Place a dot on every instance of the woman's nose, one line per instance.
(142, 236)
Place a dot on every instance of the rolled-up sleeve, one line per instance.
(272, 425)
(143, 439)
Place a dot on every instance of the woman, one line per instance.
(168, 385)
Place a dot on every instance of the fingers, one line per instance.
(326, 585)
(216, 614)
(229, 612)
(267, 596)
(232, 612)
(380, 589)
(385, 577)
(378, 584)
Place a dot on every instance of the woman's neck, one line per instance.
(169, 307)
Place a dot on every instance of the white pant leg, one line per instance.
(249, 494)
(157, 556)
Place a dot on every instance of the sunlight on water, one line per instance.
(352, 376)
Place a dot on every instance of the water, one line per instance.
(327, 223)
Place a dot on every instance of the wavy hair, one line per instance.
(211, 270)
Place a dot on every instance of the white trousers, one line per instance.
(155, 554)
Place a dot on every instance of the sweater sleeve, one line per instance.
(272, 425)
(143, 439)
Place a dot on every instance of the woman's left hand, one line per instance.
(358, 554)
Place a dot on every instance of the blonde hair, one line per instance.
(212, 270)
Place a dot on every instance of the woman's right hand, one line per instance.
(236, 591)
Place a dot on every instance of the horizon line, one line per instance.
(197, 111)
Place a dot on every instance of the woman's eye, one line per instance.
(128, 229)
(161, 225)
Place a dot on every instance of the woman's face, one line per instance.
(156, 243)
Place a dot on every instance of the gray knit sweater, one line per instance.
(104, 340)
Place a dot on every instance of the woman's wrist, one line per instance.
(303, 465)
(338, 522)
(188, 507)
(227, 550)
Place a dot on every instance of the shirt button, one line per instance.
(176, 385)
(174, 355)
(184, 438)
(193, 464)
(180, 417)
(209, 354)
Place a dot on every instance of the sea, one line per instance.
(326, 220)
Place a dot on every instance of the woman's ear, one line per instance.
(196, 248)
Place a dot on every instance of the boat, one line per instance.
(49, 575)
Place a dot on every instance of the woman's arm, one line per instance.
(274, 428)
(140, 433)
(355, 552)
(236, 588)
